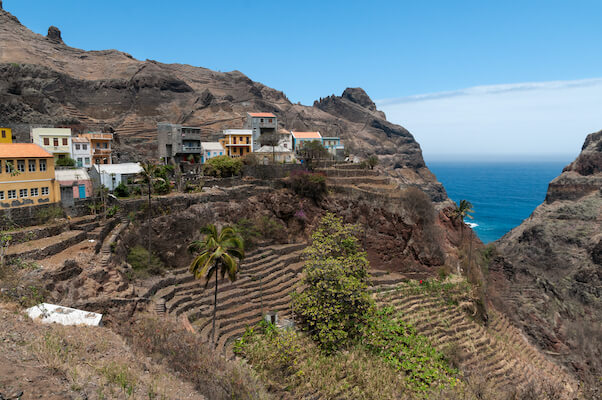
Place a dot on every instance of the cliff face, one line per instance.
(549, 276)
(44, 81)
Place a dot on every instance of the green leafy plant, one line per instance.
(309, 185)
(138, 258)
(223, 166)
(121, 190)
(65, 162)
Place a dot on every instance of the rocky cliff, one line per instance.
(44, 81)
(549, 274)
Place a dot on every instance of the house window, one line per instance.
(247, 140)
(87, 160)
(80, 162)
(42, 165)
(9, 166)
(270, 120)
(65, 142)
(55, 141)
(12, 194)
(32, 165)
(104, 145)
(21, 165)
(33, 192)
(22, 192)
(3, 134)
(1, 194)
(77, 146)
(84, 147)
(261, 120)
(45, 191)
(234, 138)
(0, 167)
(46, 141)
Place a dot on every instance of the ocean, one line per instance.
(503, 194)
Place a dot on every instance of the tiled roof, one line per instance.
(262, 114)
(22, 150)
(306, 135)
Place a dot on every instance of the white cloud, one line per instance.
(546, 118)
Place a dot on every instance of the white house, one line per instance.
(111, 175)
(210, 150)
(81, 151)
(56, 141)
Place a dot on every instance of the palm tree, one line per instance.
(147, 176)
(462, 211)
(217, 252)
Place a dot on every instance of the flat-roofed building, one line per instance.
(26, 176)
(261, 123)
(82, 152)
(237, 142)
(211, 149)
(111, 175)
(101, 146)
(56, 141)
(180, 143)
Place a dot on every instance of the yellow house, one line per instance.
(6, 135)
(26, 176)
(56, 141)
(237, 142)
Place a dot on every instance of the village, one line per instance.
(58, 166)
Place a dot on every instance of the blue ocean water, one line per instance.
(503, 194)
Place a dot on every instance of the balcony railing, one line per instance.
(189, 150)
(102, 152)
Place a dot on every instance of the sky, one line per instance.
(393, 49)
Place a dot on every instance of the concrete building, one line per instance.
(56, 141)
(101, 145)
(181, 143)
(210, 150)
(6, 135)
(26, 176)
(81, 151)
(278, 154)
(260, 123)
(110, 176)
(334, 146)
(74, 183)
(300, 138)
(237, 142)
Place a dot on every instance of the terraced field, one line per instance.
(497, 354)
(266, 278)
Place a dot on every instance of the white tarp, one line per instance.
(49, 313)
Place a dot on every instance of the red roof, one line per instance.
(307, 135)
(22, 150)
(262, 114)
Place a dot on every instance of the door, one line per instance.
(82, 191)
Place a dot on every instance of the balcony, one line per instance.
(102, 152)
(190, 150)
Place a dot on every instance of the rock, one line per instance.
(54, 34)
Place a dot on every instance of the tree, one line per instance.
(217, 252)
(148, 177)
(335, 302)
(462, 211)
(222, 166)
(270, 139)
(65, 162)
(311, 151)
(372, 161)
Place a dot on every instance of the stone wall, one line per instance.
(35, 215)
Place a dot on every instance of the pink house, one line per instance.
(75, 184)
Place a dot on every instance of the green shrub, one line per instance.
(121, 190)
(65, 162)
(161, 187)
(335, 301)
(309, 185)
(47, 214)
(259, 229)
(222, 166)
(112, 211)
(138, 259)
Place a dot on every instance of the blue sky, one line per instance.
(312, 49)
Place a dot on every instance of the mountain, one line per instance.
(44, 81)
(549, 274)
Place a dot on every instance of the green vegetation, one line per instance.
(65, 162)
(336, 301)
(309, 185)
(121, 190)
(222, 166)
(349, 348)
(138, 258)
(218, 253)
(311, 152)
(259, 229)
(47, 214)
(372, 161)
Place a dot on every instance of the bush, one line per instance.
(372, 162)
(121, 190)
(309, 185)
(418, 205)
(138, 259)
(335, 302)
(47, 214)
(259, 229)
(65, 162)
(161, 187)
(222, 167)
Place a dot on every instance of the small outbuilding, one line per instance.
(52, 313)
(111, 175)
(75, 183)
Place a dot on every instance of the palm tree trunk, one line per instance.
(214, 309)
(149, 224)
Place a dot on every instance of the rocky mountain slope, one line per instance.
(44, 81)
(549, 276)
